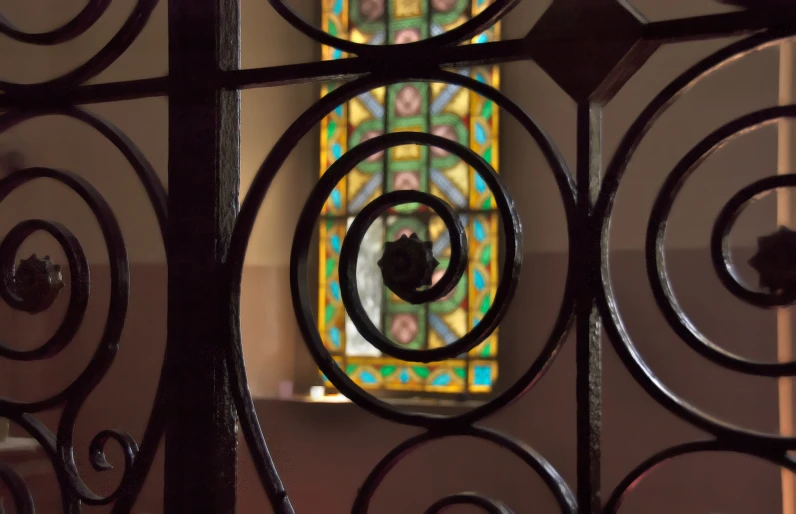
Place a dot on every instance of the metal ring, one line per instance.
(242, 232)
(483, 20)
(79, 24)
(655, 247)
(60, 450)
(606, 301)
(348, 253)
(554, 481)
(119, 270)
(80, 280)
(76, 393)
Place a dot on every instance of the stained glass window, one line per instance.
(442, 109)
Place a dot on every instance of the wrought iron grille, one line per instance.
(203, 394)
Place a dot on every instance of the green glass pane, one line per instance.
(329, 313)
(486, 255)
(487, 350)
(332, 29)
(487, 203)
(488, 155)
(330, 129)
(486, 112)
(421, 371)
(329, 267)
(485, 304)
(351, 368)
(459, 372)
(387, 370)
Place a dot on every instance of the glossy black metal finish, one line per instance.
(204, 381)
(458, 258)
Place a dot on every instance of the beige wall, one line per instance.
(745, 86)
(311, 442)
(266, 113)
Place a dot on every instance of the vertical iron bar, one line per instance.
(588, 344)
(385, 174)
(204, 156)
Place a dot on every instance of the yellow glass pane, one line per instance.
(407, 8)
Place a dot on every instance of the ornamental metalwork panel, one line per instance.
(203, 396)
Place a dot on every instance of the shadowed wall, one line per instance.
(325, 451)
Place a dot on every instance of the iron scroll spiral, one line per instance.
(74, 394)
(722, 257)
(348, 253)
(720, 247)
(437, 425)
(614, 325)
(59, 446)
(85, 19)
(728, 437)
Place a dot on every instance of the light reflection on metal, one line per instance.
(588, 297)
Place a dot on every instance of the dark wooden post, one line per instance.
(204, 158)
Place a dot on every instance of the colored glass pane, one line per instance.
(445, 110)
(332, 319)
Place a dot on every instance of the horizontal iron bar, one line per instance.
(343, 69)
(444, 57)
(91, 93)
(668, 31)
(719, 25)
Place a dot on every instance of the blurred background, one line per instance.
(323, 446)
